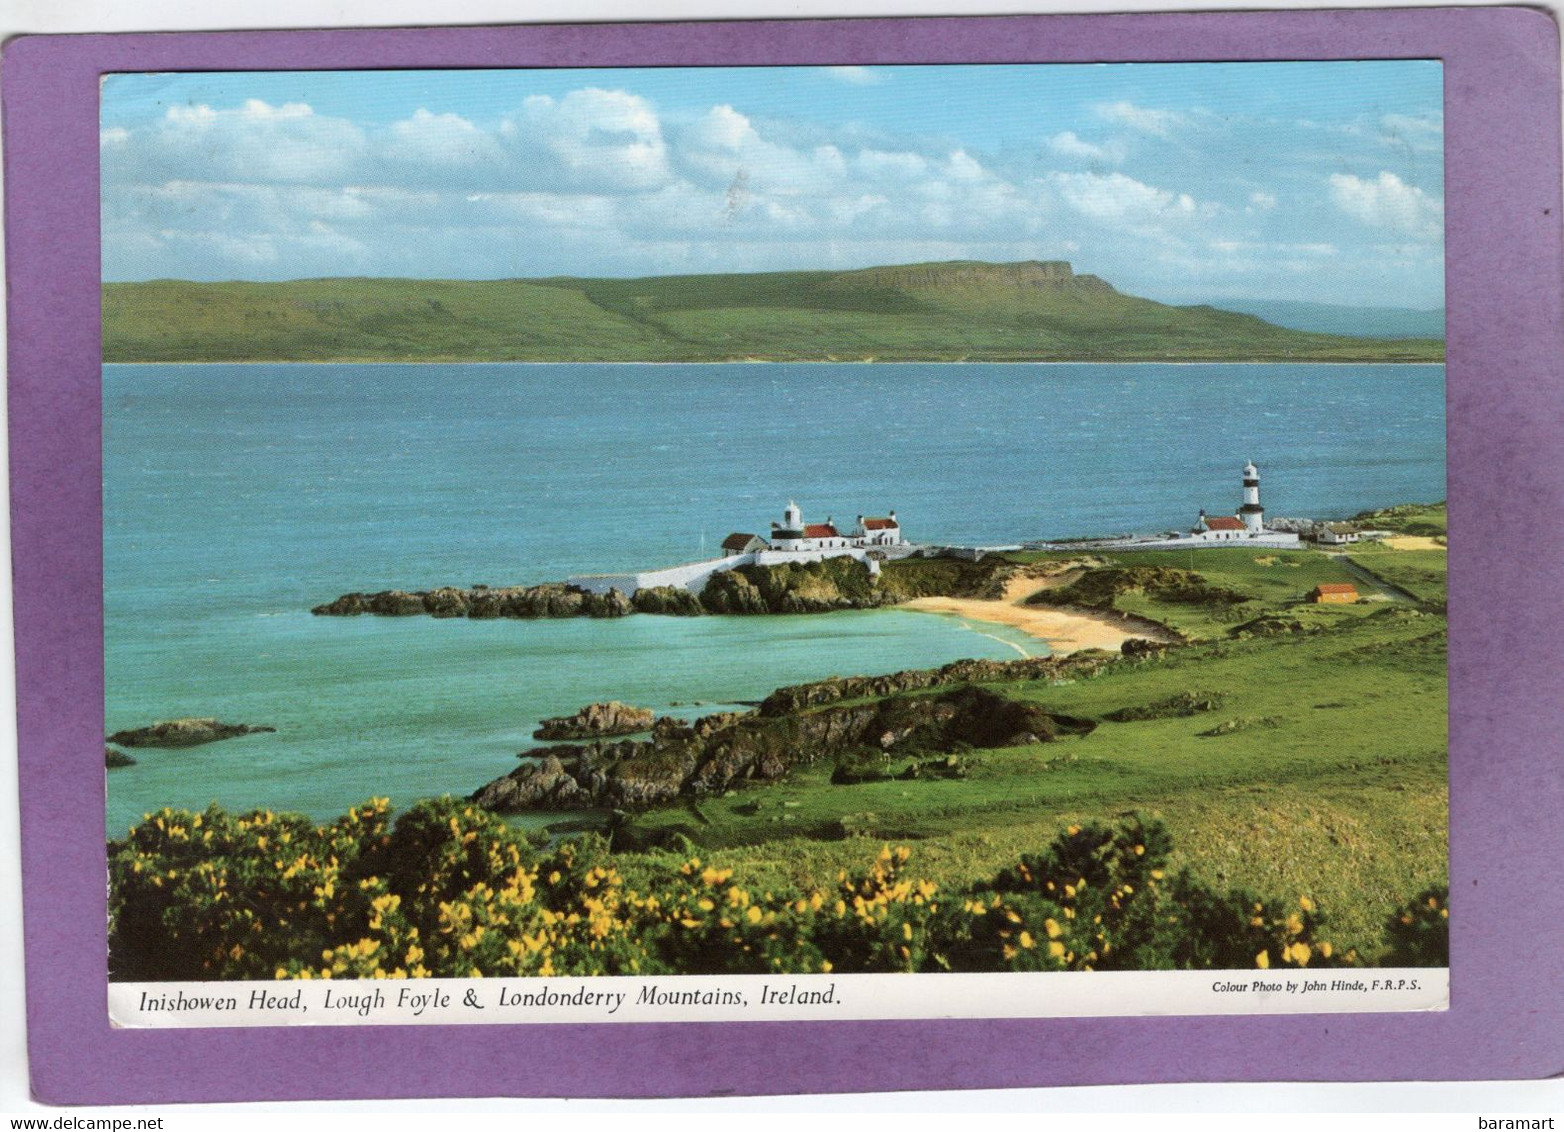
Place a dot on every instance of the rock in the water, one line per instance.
(672, 601)
(183, 733)
(596, 721)
(551, 599)
(113, 758)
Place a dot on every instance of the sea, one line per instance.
(238, 496)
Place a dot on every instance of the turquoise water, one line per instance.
(238, 496)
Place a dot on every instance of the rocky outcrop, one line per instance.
(798, 697)
(541, 784)
(1274, 625)
(183, 733)
(1178, 706)
(794, 587)
(672, 601)
(719, 752)
(552, 599)
(113, 759)
(1142, 647)
(597, 721)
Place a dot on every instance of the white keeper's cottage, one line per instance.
(871, 541)
(793, 534)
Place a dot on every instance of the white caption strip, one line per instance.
(763, 998)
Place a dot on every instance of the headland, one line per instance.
(948, 312)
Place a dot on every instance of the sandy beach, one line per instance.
(1413, 542)
(1065, 630)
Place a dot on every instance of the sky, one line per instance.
(1188, 182)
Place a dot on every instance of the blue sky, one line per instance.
(1181, 182)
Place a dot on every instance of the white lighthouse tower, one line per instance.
(1251, 512)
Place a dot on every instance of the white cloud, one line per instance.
(255, 142)
(960, 166)
(1388, 202)
(605, 140)
(854, 76)
(598, 181)
(724, 128)
(898, 166)
(441, 140)
(1115, 196)
(1160, 123)
(1067, 144)
(256, 110)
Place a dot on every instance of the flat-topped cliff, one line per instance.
(956, 311)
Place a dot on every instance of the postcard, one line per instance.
(630, 541)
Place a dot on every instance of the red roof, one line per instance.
(879, 524)
(820, 530)
(1336, 588)
(1223, 523)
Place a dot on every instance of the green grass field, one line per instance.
(934, 312)
(1430, 520)
(1319, 768)
(1421, 573)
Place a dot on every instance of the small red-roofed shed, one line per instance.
(1334, 593)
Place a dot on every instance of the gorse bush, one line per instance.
(451, 890)
(1419, 932)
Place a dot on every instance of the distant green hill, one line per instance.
(1327, 318)
(958, 311)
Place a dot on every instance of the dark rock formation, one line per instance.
(113, 759)
(951, 766)
(595, 721)
(720, 752)
(1275, 624)
(183, 733)
(733, 592)
(796, 587)
(552, 599)
(797, 697)
(1142, 647)
(1180, 706)
(673, 601)
(1243, 723)
(540, 784)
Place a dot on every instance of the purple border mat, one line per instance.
(1506, 359)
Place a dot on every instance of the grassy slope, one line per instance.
(1276, 580)
(874, 314)
(1422, 573)
(1431, 520)
(1333, 783)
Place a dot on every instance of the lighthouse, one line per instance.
(1251, 512)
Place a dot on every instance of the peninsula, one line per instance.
(955, 311)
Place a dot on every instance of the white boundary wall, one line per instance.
(1271, 540)
(692, 576)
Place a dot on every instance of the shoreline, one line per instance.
(1066, 629)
